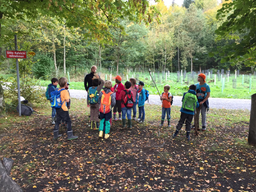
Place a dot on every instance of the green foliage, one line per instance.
(28, 90)
(186, 3)
(43, 66)
(238, 27)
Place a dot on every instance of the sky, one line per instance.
(169, 2)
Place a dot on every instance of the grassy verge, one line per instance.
(138, 159)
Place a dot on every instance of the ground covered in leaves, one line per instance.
(143, 158)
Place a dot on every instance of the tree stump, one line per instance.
(196, 119)
(252, 127)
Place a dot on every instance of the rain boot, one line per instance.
(123, 122)
(56, 134)
(175, 134)
(129, 123)
(71, 136)
(188, 135)
(101, 127)
(169, 123)
(162, 123)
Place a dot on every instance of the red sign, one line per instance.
(16, 54)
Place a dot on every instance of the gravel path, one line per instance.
(218, 103)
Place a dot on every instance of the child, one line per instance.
(203, 93)
(93, 95)
(52, 87)
(189, 105)
(118, 88)
(141, 97)
(166, 105)
(107, 101)
(62, 113)
(134, 89)
(68, 103)
(126, 94)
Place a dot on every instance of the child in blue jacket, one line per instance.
(189, 105)
(140, 99)
(52, 87)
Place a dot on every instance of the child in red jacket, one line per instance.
(118, 88)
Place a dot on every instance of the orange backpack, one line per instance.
(105, 104)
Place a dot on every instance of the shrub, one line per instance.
(43, 66)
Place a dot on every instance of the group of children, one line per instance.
(102, 97)
(122, 98)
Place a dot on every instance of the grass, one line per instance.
(177, 88)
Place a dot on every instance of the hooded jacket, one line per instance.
(141, 98)
(113, 97)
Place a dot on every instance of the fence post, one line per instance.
(252, 126)
(68, 78)
(223, 85)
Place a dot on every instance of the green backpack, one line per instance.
(189, 102)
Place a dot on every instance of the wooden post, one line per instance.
(252, 126)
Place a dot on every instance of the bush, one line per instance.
(28, 90)
(43, 66)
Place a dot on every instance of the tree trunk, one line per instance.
(191, 64)
(100, 57)
(54, 57)
(252, 126)
(178, 59)
(1, 16)
(64, 59)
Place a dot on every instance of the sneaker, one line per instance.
(115, 119)
(138, 119)
(169, 126)
(120, 119)
(193, 127)
(134, 118)
(141, 121)
(53, 122)
(203, 128)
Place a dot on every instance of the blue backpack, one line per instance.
(47, 94)
(93, 95)
(147, 94)
(55, 99)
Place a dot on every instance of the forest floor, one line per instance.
(144, 158)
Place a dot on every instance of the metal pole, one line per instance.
(18, 75)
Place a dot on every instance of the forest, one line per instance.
(174, 38)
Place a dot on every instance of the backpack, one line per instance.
(25, 110)
(189, 102)
(128, 100)
(93, 95)
(105, 103)
(55, 99)
(172, 100)
(147, 94)
(47, 94)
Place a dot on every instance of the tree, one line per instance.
(237, 17)
(186, 3)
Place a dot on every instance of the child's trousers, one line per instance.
(62, 116)
(105, 122)
(201, 109)
(53, 112)
(183, 117)
(166, 111)
(128, 112)
(134, 109)
(117, 107)
(142, 113)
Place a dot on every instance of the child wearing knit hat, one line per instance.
(202, 93)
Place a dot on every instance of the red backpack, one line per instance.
(128, 100)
